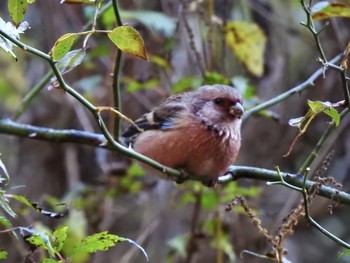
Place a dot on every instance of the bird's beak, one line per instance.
(237, 110)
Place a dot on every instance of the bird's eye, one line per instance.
(218, 101)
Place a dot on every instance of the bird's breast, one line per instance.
(195, 148)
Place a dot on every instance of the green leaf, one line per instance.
(76, 233)
(60, 236)
(343, 254)
(4, 222)
(97, 242)
(318, 106)
(334, 114)
(248, 42)
(22, 199)
(128, 40)
(17, 9)
(62, 46)
(3, 254)
(325, 107)
(324, 9)
(4, 204)
(42, 240)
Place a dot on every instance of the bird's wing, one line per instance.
(162, 117)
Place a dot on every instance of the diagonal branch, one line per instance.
(297, 89)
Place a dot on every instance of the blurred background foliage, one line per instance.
(106, 191)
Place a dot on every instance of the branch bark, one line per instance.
(10, 127)
(296, 180)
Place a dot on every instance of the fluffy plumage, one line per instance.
(198, 131)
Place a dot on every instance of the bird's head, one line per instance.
(218, 104)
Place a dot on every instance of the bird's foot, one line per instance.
(210, 182)
(182, 177)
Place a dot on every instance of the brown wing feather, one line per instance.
(160, 118)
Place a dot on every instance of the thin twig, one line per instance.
(311, 26)
(93, 26)
(116, 73)
(116, 12)
(297, 89)
(318, 226)
(116, 92)
(100, 12)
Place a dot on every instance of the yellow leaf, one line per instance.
(324, 10)
(248, 42)
(128, 40)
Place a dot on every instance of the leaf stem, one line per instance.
(116, 92)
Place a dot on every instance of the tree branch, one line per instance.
(116, 73)
(297, 180)
(10, 127)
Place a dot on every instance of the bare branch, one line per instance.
(297, 180)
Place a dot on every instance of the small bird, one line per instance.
(197, 131)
